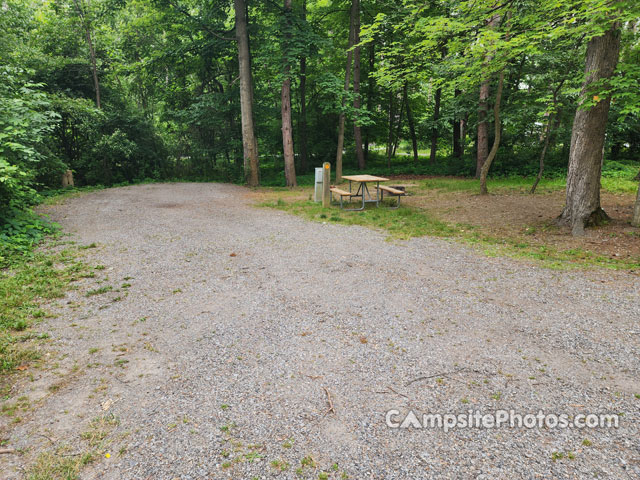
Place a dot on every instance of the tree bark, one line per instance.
(496, 141)
(357, 131)
(304, 160)
(287, 129)
(434, 129)
(582, 207)
(412, 127)
(249, 140)
(347, 80)
(483, 128)
(635, 220)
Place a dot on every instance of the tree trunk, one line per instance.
(456, 124)
(287, 129)
(635, 220)
(370, 81)
(434, 129)
(582, 207)
(463, 133)
(496, 141)
(392, 114)
(304, 160)
(483, 128)
(249, 140)
(347, 79)
(412, 127)
(396, 139)
(547, 137)
(357, 131)
(92, 54)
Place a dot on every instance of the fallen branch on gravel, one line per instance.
(331, 409)
(427, 377)
(392, 390)
(7, 450)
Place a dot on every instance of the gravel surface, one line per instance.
(254, 344)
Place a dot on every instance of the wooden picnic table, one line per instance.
(363, 190)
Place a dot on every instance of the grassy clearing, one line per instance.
(408, 222)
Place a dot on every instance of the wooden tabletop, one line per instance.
(364, 178)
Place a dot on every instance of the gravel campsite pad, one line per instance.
(241, 342)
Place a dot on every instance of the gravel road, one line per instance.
(254, 344)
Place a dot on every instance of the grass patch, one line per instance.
(24, 285)
(408, 222)
(403, 223)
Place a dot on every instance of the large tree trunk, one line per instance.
(412, 127)
(434, 129)
(582, 206)
(347, 79)
(483, 127)
(357, 131)
(287, 130)
(249, 140)
(304, 160)
(484, 171)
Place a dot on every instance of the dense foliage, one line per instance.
(128, 90)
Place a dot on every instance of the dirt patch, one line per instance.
(531, 219)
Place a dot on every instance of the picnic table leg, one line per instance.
(361, 191)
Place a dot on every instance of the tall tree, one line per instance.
(347, 81)
(249, 140)
(304, 155)
(582, 207)
(83, 14)
(483, 112)
(434, 128)
(412, 127)
(357, 131)
(456, 123)
(287, 129)
(484, 171)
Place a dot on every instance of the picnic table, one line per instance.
(363, 190)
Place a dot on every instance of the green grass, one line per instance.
(498, 185)
(23, 287)
(403, 223)
(408, 222)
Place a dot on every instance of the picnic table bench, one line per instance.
(341, 193)
(394, 191)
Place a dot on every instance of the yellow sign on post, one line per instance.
(326, 180)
